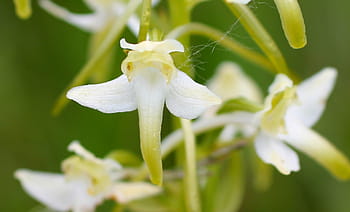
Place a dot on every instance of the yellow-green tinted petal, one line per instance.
(23, 8)
(320, 149)
(126, 192)
(292, 22)
(150, 88)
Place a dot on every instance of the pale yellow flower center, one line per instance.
(137, 60)
(272, 121)
(76, 167)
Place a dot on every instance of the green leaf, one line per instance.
(239, 104)
(262, 173)
(225, 188)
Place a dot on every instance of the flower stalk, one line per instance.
(145, 20)
(191, 184)
(262, 38)
(179, 16)
(224, 40)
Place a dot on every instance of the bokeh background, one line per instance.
(38, 58)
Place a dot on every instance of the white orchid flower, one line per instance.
(104, 12)
(288, 114)
(150, 79)
(86, 182)
(231, 82)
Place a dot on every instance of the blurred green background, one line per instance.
(38, 58)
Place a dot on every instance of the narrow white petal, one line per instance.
(239, 1)
(275, 152)
(78, 149)
(165, 46)
(110, 97)
(188, 99)
(318, 148)
(312, 95)
(231, 82)
(280, 83)
(126, 192)
(90, 22)
(134, 24)
(150, 89)
(50, 189)
(228, 133)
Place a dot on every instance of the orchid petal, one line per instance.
(89, 22)
(23, 8)
(150, 89)
(239, 1)
(280, 83)
(318, 148)
(133, 24)
(228, 133)
(78, 149)
(313, 94)
(165, 46)
(275, 152)
(188, 99)
(110, 97)
(93, 4)
(231, 82)
(126, 192)
(50, 189)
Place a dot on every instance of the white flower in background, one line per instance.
(149, 80)
(231, 82)
(104, 12)
(86, 182)
(239, 1)
(288, 115)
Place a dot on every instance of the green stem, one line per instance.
(224, 40)
(180, 15)
(191, 184)
(261, 37)
(173, 140)
(145, 19)
(101, 52)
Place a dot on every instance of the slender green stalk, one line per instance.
(102, 70)
(145, 19)
(101, 53)
(180, 15)
(292, 22)
(191, 184)
(173, 140)
(224, 40)
(261, 37)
